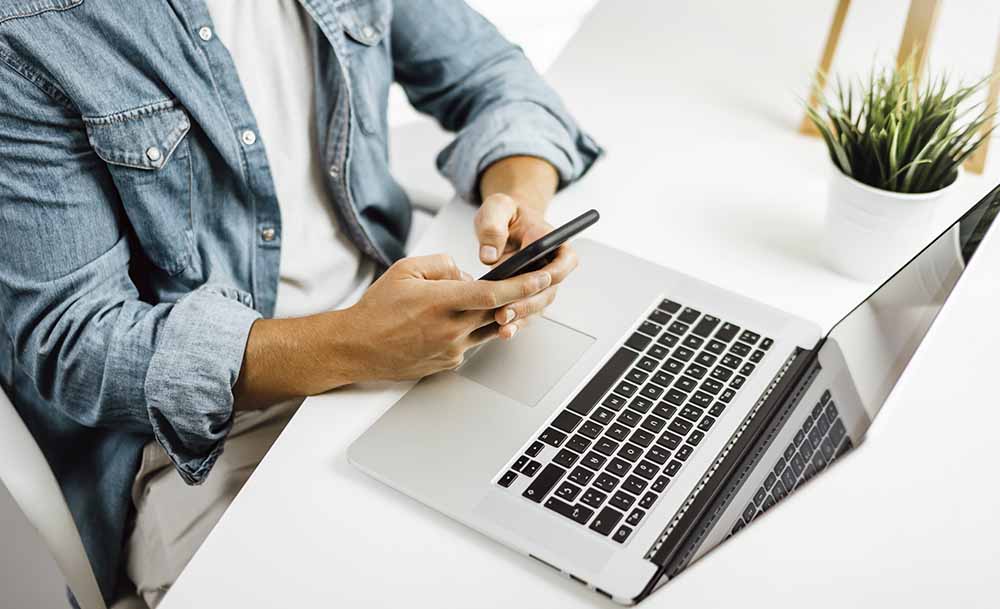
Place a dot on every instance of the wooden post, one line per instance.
(977, 162)
(917, 32)
(829, 48)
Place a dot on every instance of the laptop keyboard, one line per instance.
(820, 440)
(605, 458)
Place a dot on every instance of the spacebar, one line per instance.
(607, 376)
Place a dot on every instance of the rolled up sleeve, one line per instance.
(454, 65)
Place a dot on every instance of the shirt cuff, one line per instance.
(189, 383)
(522, 128)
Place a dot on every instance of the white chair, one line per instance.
(26, 474)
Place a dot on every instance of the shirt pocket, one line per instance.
(366, 25)
(147, 153)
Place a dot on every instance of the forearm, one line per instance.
(291, 358)
(531, 181)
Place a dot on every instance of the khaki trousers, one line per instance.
(173, 519)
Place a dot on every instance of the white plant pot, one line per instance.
(869, 233)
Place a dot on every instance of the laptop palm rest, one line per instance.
(527, 367)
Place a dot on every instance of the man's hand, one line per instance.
(420, 317)
(515, 192)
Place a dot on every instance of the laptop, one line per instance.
(631, 430)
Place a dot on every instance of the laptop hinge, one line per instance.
(672, 550)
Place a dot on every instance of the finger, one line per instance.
(527, 307)
(436, 266)
(493, 226)
(482, 335)
(563, 264)
(479, 295)
(510, 330)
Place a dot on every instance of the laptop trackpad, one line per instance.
(527, 367)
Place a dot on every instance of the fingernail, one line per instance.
(488, 253)
(508, 316)
(544, 280)
(513, 331)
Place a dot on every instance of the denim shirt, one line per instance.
(139, 228)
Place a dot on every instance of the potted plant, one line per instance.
(898, 149)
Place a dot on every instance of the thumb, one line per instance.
(492, 222)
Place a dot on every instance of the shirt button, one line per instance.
(334, 171)
(267, 234)
(153, 154)
(205, 33)
(248, 137)
(368, 32)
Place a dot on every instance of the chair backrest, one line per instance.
(26, 474)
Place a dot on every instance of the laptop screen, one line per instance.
(880, 335)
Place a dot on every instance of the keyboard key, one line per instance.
(565, 457)
(602, 415)
(626, 389)
(747, 369)
(788, 479)
(696, 372)
(823, 399)
(520, 463)
(809, 472)
(798, 465)
(686, 384)
(706, 423)
(606, 482)
(705, 326)
(789, 452)
(622, 501)
(553, 437)
(543, 483)
(680, 426)
(675, 397)
(654, 424)
(684, 452)
(566, 421)
(630, 418)
(606, 520)
(646, 469)
(818, 460)
(658, 351)
(827, 448)
(766, 344)
(837, 432)
(622, 534)
(683, 353)
(590, 429)
(530, 468)
(658, 455)
(578, 443)
(593, 498)
(578, 513)
(691, 413)
(594, 460)
(717, 409)
(651, 391)
(568, 491)
(606, 447)
(779, 491)
(770, 480)
(667, 340)
(507, 479)
(672, 468)
(634, 485)
(727, 332)
(630, 452)
(693, 342)
(727, 395)
(737, 381)
(635, 517)
(642, 438)
(647, 363)
(808, 446)
(817, 409)
(756, 356)
(689, 315)
(799, 436)
(721, 373)
(669, 306)
(638, 341)
(664, 410)
(701, 399)
(749, 512)
(640, 404)
(659, 484)
(695, 437)
(672, 366)
(779, 465)
(815, 436)
(619, 467)
(618, 432)
(662, 378)
(678, 328)
(648, 500)
(669, 440)
(706, 359)
(637, 376)
(534, 449)
(768, 503)
(614, 402)
(659, 317)
(716, 347)
(650, 328)
(749, 337)
(740, 349)
(581, 475)
(758, 497)
(598, 385)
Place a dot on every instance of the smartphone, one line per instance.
(539, 253)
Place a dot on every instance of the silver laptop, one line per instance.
(650, 416)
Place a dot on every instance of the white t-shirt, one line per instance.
(269, 43)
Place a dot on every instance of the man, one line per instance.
(169, 288)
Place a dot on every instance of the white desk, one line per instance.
(704, 173)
